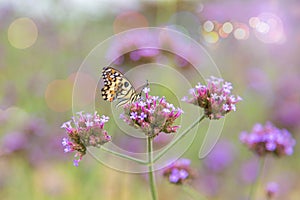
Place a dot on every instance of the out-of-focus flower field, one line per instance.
(255, 45)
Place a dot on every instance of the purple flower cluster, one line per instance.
(137, 41)
(152, 115)
(272, 189)
(215, 98)
(179, 171)
(148, 46)
(268, 139)
(30, 138)
(87, 131)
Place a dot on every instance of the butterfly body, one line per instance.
(117, 87)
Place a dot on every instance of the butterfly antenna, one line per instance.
(145, 85)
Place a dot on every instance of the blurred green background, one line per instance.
(255, 44)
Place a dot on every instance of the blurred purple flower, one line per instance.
(88, 131)
(14, 141)
(9, 95)
(146, 53)
(287, 91)
(134, 55)
(268, 139)
(35, 126)
(119, 60)
(287, 114)
(258, 81)
(139, 44)
(152, 115)
(215, 98)
(209, 184)
(272, 189)
(249, 171)
(33, 141)
(183, 50)
(181, 61)
(179, 171)
(220, 157)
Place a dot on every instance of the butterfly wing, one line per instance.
(116, 86)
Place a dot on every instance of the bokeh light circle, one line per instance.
(211, 37)
(241, 32)
(22, 33)
(58, 95)
(253, 22)
(269, 28)
(227, 27)
(208, 26)
(222, 34)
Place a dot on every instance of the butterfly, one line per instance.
(117, 87)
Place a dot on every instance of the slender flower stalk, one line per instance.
(151, 172)
(178, 138)
(255, 184)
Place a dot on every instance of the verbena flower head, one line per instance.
(268, 139)
(215, 98)
(14, 141)
(84, 130)
(179, 171)
(272, 189)
(152, 115)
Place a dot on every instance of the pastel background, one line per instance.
(254, 43)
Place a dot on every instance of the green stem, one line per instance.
(173, 142)
(256, 182)
(150, 173)
(194, 194)
(124, 156)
